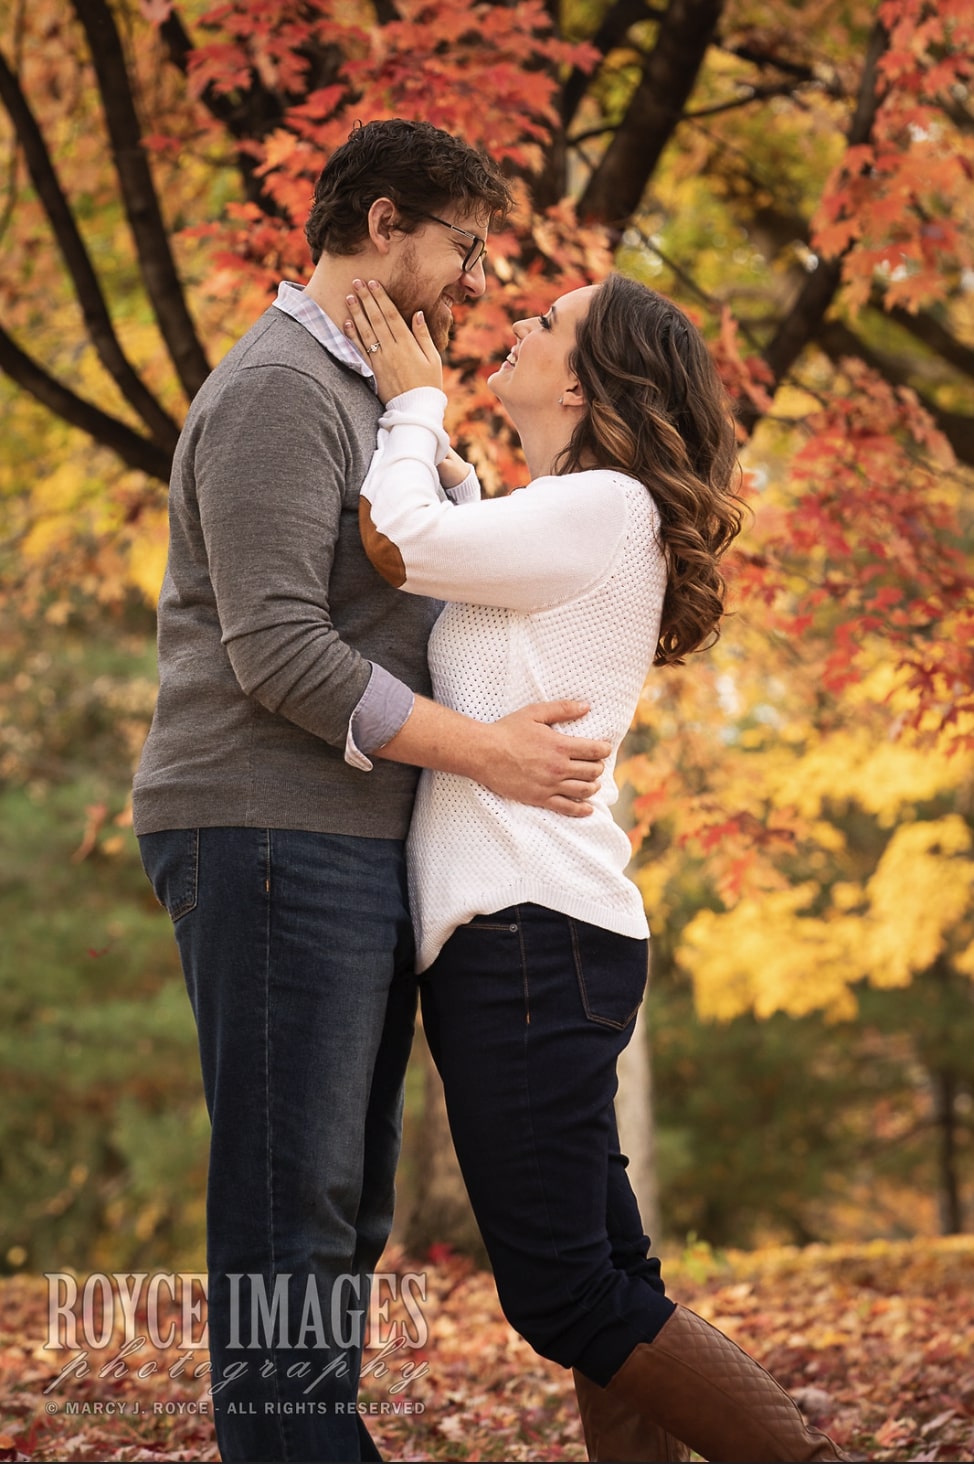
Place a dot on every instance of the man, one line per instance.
(275, 788)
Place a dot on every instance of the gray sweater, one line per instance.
(270, 613)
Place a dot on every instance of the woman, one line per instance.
(532, 942)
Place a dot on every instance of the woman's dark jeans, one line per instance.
(298, 956)
(526, 1012)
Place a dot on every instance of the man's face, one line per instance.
(429, 274)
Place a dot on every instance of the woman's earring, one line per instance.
(561, 400)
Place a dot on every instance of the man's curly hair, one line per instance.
(421, 168)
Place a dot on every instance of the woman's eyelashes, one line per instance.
(545, 321)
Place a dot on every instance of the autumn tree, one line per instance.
(799, 177)
(829, 164)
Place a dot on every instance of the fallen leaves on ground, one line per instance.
(875, 1343)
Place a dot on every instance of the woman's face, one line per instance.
(536, 372)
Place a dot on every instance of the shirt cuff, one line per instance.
(421, 406)
(379, 714)
(466, 492)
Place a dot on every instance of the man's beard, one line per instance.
(408, 295)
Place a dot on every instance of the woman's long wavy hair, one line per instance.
(656, 409)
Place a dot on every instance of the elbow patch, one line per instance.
(383, 553)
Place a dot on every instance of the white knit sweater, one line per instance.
(556, 591)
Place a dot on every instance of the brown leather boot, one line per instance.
(616, 1432)
(700, 1386)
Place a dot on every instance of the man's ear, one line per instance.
(572, 396)
(383, 224)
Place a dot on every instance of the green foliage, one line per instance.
(799, 1130)
(750, 1127)
(76, 700)
(102, 1130)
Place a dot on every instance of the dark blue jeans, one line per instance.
(298, 956)
(526, 1012)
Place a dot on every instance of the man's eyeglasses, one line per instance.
(477, 250)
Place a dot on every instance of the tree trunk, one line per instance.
(437, 1209)
(637, 1134)
(806, 317)
(670, 72)
(949, 1201)
(140, 200)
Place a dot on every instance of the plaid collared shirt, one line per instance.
(307, 312)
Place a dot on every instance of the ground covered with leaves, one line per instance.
(875, 1342)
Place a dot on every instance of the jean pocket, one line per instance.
(171, 859)
(611, 970)
(497, 920)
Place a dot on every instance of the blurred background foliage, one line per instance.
(802, 798)
(783, 1128)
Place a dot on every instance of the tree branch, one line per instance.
(804, 320)
(579, 137)
(139, 196)
(616, 23)
(136, 451)
(837, 340)
(614, 190)
(251, 113)
(926, 328)
(767, 58)
(94, 309)
(755, 94)
(961, 116)
(683, 275)
(253, 116)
